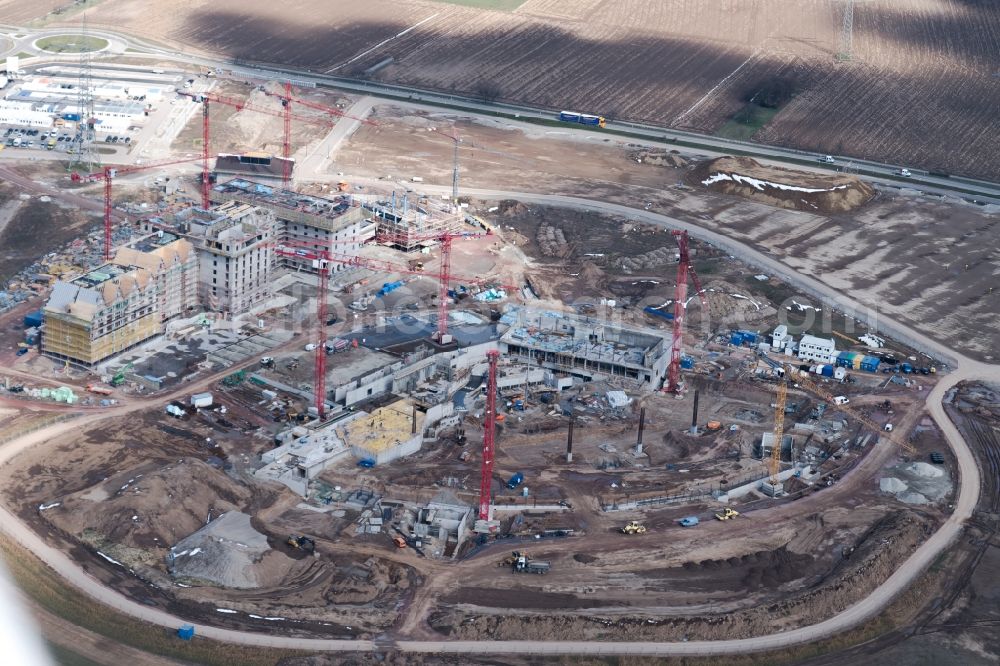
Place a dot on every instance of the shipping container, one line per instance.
(33, 319)
(870, 363)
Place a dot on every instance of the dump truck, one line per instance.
(524, 564)
(727, 513)
(634, 527)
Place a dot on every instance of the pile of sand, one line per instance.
(784, 188)
(659, 158)
(891, 484)
(228, 552)
(926, 470)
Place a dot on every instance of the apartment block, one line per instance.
(335, 224)
(173, 263)
(235, 246)
(102, 313)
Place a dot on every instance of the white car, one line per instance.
(905, 173)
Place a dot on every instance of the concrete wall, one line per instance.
(389, 454)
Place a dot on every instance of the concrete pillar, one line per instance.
(642, 426)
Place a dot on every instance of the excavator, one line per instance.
(303, 543)
(119, 377)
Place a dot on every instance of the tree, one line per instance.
(489, 91)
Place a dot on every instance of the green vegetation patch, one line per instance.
(496, 5)
(747, 122)
(71, 44)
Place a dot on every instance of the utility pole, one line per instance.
(85, 158)
(847, 33)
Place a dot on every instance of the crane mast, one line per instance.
(684, 268)
(489, 432)
(779, 431)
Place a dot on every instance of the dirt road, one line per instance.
(965, 369)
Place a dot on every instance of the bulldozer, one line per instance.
(302, 543)
(727, 513)
(634, 527)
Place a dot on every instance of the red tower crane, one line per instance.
(323, 260)
(444, 273)
(287, 99)
(489, 433)
(684, 268)
(206, 99)
(108, 174)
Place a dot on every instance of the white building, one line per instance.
(235, 244)
(821, 350)
(25, 115)
(335, 224)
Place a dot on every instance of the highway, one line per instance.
(979, 191)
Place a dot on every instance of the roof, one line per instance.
(85, 295)
(255, 164)
(813, 340)
(155, 258)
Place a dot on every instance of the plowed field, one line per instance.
(920, 90)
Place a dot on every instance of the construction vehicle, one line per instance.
(727, 513)
(634, 527)
(524, 564)
(510, 560)
(302, 543)
(804, 382)
(119, 377)
(713, 425)
(688, 521)
(99, 390)
(399, 541)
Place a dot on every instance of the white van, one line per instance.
(840, 400)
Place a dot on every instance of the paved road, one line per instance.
(984, 191)
(863, 610)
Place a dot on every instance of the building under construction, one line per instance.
(413, 228)
(235, 246)
(337, 225)
(94, 316)
(173, 263)
(584, 347)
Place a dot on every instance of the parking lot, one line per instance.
(56, 139)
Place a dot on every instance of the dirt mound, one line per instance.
(229, 552)
(151, 510)
(784, 188)
(659, 158)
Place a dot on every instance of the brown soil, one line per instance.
(839, 193)
(929, 99)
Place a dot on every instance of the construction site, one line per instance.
(327, 385)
